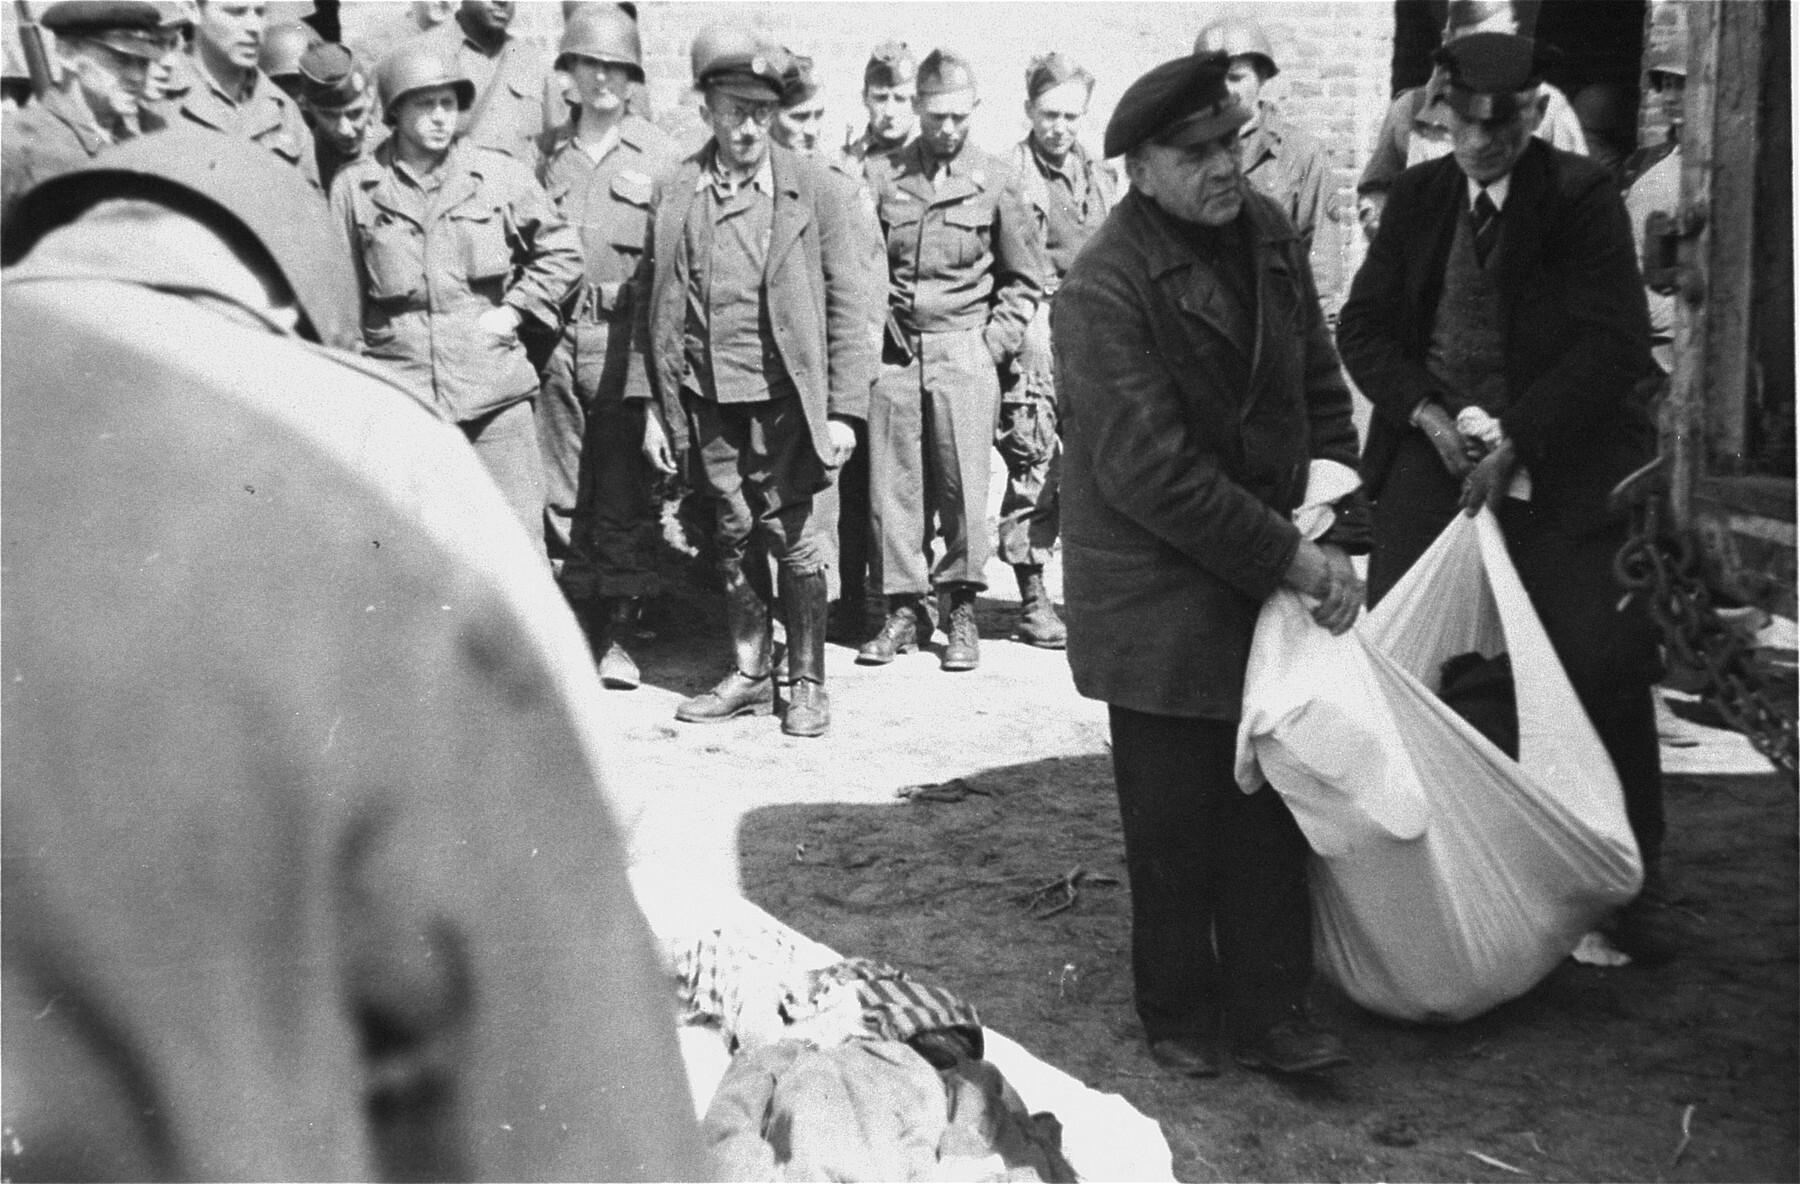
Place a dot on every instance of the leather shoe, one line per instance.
(737, 694)
(963, 651)
(1295, 1045)
(906, 626)
(808, 709)
(1187, 1056)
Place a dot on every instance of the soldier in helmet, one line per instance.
(221, 85)
(1070, 193)
(965, 268)
(757, 334)
(105, 49)
(339, 102)
(599, 518)
(515, 100)
(890, 84)
(306, 816)
(282, 47)
(1278, 158)
(456, 247)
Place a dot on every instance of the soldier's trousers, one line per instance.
(599, 521)
(506, 441)
(931, 428)
(1030, 508)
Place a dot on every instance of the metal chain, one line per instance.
(1660, 566)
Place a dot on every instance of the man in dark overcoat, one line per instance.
(1499, 326)
(1197, 383)
(760, 350)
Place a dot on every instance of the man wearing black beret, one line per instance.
(1499, 326)
(1196, 382)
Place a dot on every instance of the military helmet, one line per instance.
(239, 188)
(1667, 53)
(282, 48)
(414, 68)
(604, 35)
(1239, 39)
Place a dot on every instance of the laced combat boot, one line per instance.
(803, 598)
(908, 626)
(750, 687)
(1038, 623)
(618, 669)
(964, 649)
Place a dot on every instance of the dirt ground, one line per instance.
(1594, 1075)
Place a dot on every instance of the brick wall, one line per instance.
(1334, 58)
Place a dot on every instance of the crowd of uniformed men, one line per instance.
(601, 312)
(540, 264)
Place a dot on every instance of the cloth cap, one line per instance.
(1485, 73)
(331, 77)
(1051, 70)
(738, 62)
(1180, 102)
(131, 27)
(1239, 39)
(798, 85)
(890, 64)
(945, 72)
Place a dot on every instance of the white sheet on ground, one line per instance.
(1104, 1136)
(1447, 879)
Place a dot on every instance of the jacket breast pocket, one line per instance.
(486, 255)
(968, 230)
(394, 256)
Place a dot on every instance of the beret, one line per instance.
(945, 72)
(736, 61)
(132, 27)
(331, 77)
(1052, 70)
(797, 81)
(891, 64)
(1180, 102)
(1485, 72)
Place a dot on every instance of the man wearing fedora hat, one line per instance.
(106, 48)
(965, 267)
(1197, 381)
(1499, 327)
(758, 342)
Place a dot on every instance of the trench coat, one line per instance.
(1177, 486)
(309, 873)
(820, 281)
(1576, 325)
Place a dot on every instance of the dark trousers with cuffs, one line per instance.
(1610, 654)
(1220, 920)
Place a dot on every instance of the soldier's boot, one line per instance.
(803, 597)
(618, 669)
(750, 687)
(964, 649)
(1038, 623)
(906, 628)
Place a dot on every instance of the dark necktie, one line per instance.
(1486, 218)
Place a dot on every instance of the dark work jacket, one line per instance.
(308, 870)
(1575, 324)
(1177, 484)
(819, 278)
